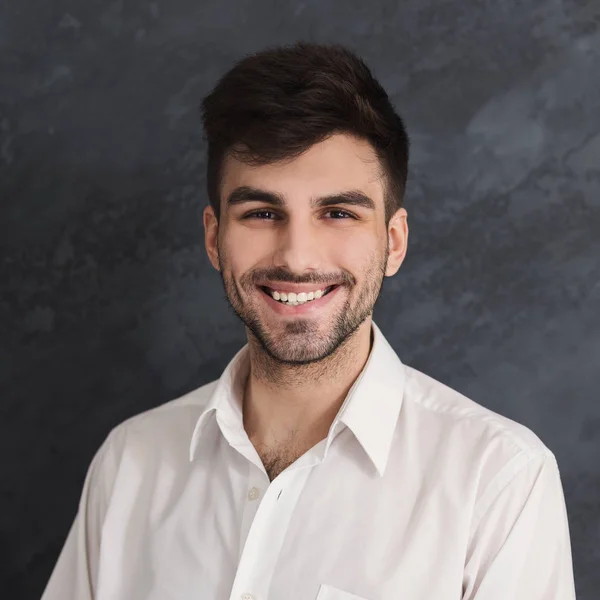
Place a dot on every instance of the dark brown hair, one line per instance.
(277, 103)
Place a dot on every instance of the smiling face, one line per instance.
(291, 230)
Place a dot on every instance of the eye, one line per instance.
(257, 214)
(339, 211)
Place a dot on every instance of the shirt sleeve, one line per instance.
(75, 573)
(519, 546)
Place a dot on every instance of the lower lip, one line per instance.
(301, 309)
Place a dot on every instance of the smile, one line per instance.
(293, 299)
(299, 303)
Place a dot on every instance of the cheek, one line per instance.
(243, 251)
(357, 254)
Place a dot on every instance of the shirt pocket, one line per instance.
(328, 592)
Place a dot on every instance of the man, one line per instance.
(318, 466)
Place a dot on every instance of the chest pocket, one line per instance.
(328, 592)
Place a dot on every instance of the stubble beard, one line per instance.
(345, 322)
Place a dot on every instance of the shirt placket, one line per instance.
(267, 530)
(258, 482)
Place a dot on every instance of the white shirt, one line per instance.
(417, 493)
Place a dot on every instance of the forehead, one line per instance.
(340, 162)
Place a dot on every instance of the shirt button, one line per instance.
(246, 597)
(253, 494)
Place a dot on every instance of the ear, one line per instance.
(211, 229)
(398, 241)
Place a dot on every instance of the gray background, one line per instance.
(109, 305)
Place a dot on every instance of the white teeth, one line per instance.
(292, 299)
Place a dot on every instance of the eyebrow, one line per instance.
(246, 193)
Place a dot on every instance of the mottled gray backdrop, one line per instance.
(108, 303)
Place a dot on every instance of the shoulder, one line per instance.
(483, 450)
(435, 401)
(167, 426)
(138, 446)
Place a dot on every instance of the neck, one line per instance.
(296, 404)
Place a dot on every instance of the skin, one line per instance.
(302, 366)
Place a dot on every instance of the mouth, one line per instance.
(299, 303)
(269, 291)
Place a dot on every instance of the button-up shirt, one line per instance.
(416, 493)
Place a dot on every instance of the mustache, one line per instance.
(287, 277)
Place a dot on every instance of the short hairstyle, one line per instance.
(275, 104)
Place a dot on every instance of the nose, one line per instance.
(299, 248)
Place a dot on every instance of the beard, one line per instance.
(303, 340)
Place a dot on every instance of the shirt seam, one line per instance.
(503, 479)
(490, 419)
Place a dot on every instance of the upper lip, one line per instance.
(295, 287)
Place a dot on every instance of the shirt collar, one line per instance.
(370, 410)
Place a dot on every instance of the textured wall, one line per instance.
(109, 305)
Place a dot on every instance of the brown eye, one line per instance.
(341, 212)
(259, 214)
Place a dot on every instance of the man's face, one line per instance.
(275, 234)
